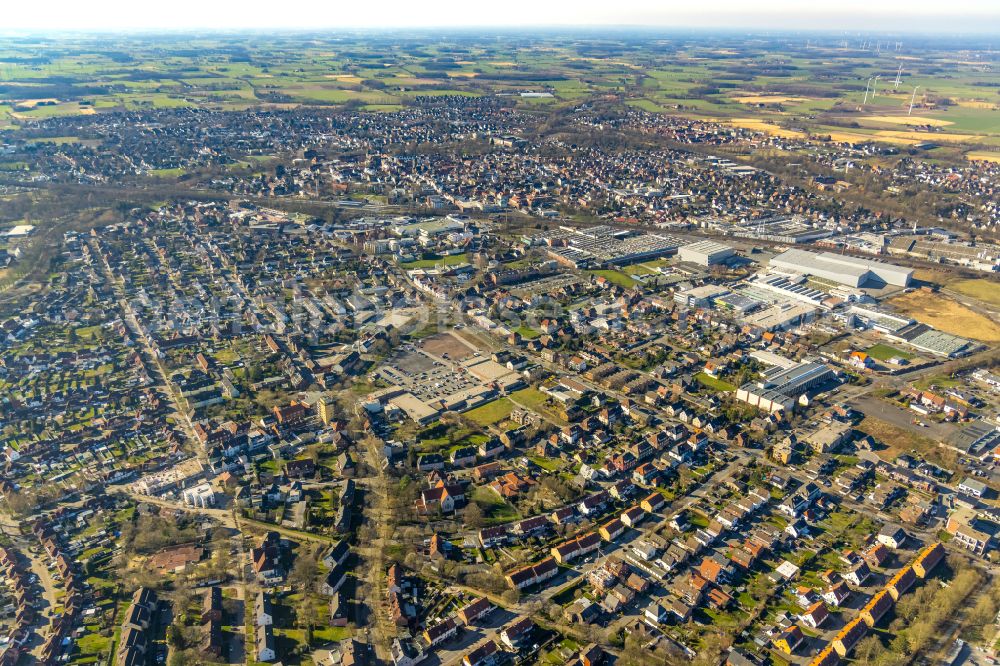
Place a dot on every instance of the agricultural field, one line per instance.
(779, 85)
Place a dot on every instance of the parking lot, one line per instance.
(451, 652)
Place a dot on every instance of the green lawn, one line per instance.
(226, 356)
(491, 412)
(530, 397)
(93, 643)
(548, 464)
(713, 383)
(615, 277)
(527, 333)
(697, 520)
(639, 269)
(883, 352)
(535, 400)
(167, 173)
(940, 381)
(330, 634)
(498, 509)
(449, 260)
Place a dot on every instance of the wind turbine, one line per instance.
(912, 98)
(867, 85)
(899, 73)
(870, 81)
(875, 85)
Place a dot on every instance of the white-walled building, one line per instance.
(705, 253)
(842, 269)
(201, 496)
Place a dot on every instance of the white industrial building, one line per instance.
(883, 322)
(781, 387)
(842, 269)
(781, 316)
(700, 296)
(705, 253)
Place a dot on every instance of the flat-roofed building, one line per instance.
(781, 316)
(781, 387)
(842, 269)
(705, 253)
(700, 296)
(415, 408)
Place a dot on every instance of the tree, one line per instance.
(512, 596)
(868, 651)
(304, 571)
(984, 611)
(473, 515)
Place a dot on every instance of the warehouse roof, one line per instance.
(707, 247)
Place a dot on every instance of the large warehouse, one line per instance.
(851, 271)
(706, 253)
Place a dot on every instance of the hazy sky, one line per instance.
(879, 16)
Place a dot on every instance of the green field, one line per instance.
(530, 397)
(450, 260)
(527, 333)
(939, 381)
(168, 173)
(883, 352)
(330, 634)
(713, 383)
(535, 400)
(818, 87)
(491, 412)
(615, 277)
(495, 507)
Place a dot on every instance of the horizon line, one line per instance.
(510, 28)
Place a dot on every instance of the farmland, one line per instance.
(316, 343)
(779, 86)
